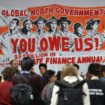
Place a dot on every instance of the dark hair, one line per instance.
(8, 73)
(90, 27)
(76, 65)
(95, 69)
(102, 68)
(58, 75)
(11, 62)
(17, 21)
(27, 63)
(47, 75)
(76, 26)
(24, 30)
(43, 65)
(0, 78)
(50, 30)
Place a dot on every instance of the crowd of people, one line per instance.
(46, 87)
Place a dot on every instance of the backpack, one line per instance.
(70, 94)
(22, 93)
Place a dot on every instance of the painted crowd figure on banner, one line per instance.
(26, 31)
(40, 33)
(40, 23)
(65, 23)
(5, 39)
(78, 30)
(53, 24)
(92, 27)
(64, 31)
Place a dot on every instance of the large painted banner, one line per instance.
(53, 34)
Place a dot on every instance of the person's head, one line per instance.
(49, 76)
(0, 78)
(14, 63)
(27, 26)
(58, 75)
(102, 70)
(8, 73)
(76, 65)
(52, 76)
(92, 24)
(78, 29)
(52, 24)
(94, 69)
(13, 24)
(69, 70)
(40, 22)
(27, 63)
(64, 23)
(42, 68)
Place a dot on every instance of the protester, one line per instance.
(14, 63)
(33, 80)
(77, 66)
(5, 94)
(96, 87)
(42, 68)
(69, 74)
(58, 75)
(47, 91)
(0, 78)
(102, 76)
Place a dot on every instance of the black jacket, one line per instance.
(97, 92)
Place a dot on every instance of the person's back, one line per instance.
(31, 79)
(97, 92)
(69, 76)
(5, 93)
(6, 85)
(96, 86)
(102, 76)
(47, 90)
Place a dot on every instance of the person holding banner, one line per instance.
(92, 27)
(52, 24)
(5, 39)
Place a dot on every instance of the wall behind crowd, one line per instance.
(14, 4)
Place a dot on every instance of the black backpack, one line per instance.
(22, 93)
(70, 94)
